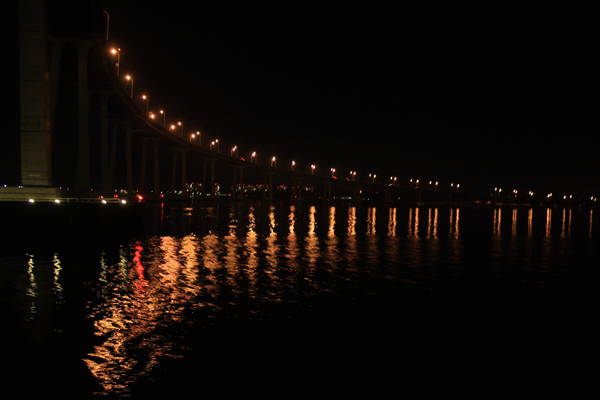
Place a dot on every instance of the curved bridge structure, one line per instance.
(84, 132)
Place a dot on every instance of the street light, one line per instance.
(145, 100)
(129, 78)
(313, 167)
(273, 160)
(253, 156)
(233, 150)
(293, 165)
(116, 52)
(180, 125)
(164, 115)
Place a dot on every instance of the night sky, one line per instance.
(480, 95)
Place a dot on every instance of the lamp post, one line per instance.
(129, 78)
(145, 100)
(273, 161)
(164, 115)
(116, 52)
(253, 157)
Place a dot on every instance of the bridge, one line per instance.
(86, 133)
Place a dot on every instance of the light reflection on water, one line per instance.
(148, 292)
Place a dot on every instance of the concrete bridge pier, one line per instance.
(327, 191)
(104, 144)
(83, 137)
(129, 156)
(387, 194)
(297, 189)
(268, 179)
(355, 192)
(208, 175)
(150, 148)
(178, 154)
(419, 196)
(238, 179)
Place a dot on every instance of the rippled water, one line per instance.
(212, 286)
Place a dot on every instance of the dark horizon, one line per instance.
(486, 96)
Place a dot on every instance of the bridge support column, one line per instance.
(204, 175)
(238, 179)
(268, 179)
(183, 154)
(174, 170)
(129, 157)
(212, 162)
(35, 135)
(297, 193)
(327, 190)
(387, 194)
(83, 142)
(56, 48)
(419, 196)
(355, 192)
(143, 172)
(112, 160)
(104, 150)
(155, 159)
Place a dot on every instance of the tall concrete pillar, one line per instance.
(83, 137)
(104, 147)
(241, 176)
(155, 159)
(204, 175)
(183, 168)
(56, 48)
(129, 157)
(212, 175)
(298, 188)
(35, 132)
(143, 162)
(174, 171)
(112, 161)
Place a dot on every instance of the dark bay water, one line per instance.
(253, 297)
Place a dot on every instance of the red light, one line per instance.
(162, 195)
(116, 196)
(140, 197)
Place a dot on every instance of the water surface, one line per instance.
(244, 292)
